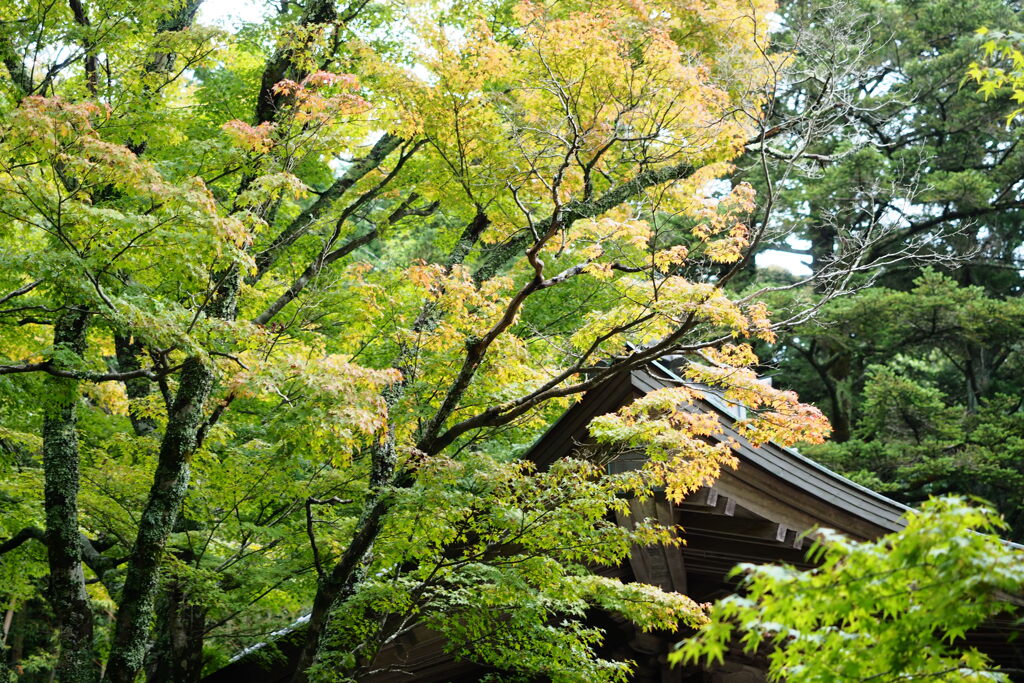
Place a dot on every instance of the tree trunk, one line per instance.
(166, 496)
(16, 650)
(178, 652)
(77, 661)
(128, 351)
(839, 397)
(338, 586)
(823, 249)
(979, 374)
(170, 482)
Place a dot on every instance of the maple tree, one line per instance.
(270, 295)
(1000, 68)
(897, 608)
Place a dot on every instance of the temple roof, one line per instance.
(771, 478)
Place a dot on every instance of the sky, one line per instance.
(794, 263)
(229, 13)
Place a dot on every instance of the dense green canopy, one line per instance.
(283, 304)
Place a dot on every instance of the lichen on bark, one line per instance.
(76, 662)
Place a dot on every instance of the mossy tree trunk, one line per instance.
(77, 662)
(177, 654)
(166, 496)
(170, 482)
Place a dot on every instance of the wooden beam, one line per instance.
(673, 558)
(708, 499)
(742, 527)
(710, 554)
(657, 565)
(702, 498)
(725, 506)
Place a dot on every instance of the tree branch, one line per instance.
(576, 210)
(49, 368)
(82, 19)
(325, 257)
(21, 290)
(304, 221)
(27, 534)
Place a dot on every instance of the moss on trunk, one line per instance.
(77, 661)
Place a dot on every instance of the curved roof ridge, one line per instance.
(896, 509)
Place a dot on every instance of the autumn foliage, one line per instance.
(268, 296)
